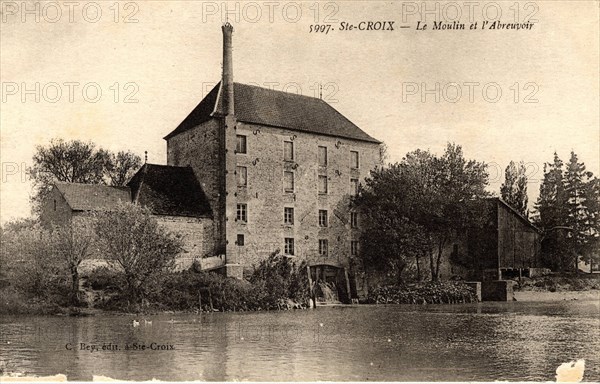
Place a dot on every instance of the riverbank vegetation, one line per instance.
(423, 293)
(276, 283)
(560, 282)
(43, 276)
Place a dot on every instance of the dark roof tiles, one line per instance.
(169, 190)
(268, 107)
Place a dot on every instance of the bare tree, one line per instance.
(73, 244)
(134, 243)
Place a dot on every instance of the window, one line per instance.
(354, 160)
(240, 240)
(354, 219)
(322, 156)
(323, 218)
(323, 247)
(241, 144)
(354, 248)
(288, 150)
(288, 215)
(242, 213)
(288, 181)
(354, 187)
(289, 246)
(242, 176)
(323, 184)
(55, 205)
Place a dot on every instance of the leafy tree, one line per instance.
(33, 266)
(413, 208)
(591, 196)
(122, 167)
(137, 245)
(568, 211)
(74, 162)
(582, 205)
(514, 189)
(552, 212)
(77, 162)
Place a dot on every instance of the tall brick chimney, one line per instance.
(227, 79)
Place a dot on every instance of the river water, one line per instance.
(467, 342)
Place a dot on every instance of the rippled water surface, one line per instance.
(481, 342)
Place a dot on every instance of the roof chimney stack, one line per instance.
(227, 80)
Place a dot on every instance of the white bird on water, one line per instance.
(146, 322)
(136, 323)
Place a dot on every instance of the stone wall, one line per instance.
(197, 235)
(55, 210)
(199, 149)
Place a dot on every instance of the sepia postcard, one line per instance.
(401, 191)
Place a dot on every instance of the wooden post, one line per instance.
(347, 284)
(200, 300)
(310, 285)
(210, 299)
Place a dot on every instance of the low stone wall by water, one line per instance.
(497, 290)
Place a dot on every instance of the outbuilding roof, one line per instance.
(92, 197)
(170, 190)
(257, 105)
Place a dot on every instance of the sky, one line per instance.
(125, 74)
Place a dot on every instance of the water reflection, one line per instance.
(481, 342)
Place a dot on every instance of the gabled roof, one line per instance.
(92, 197)
(169, 190)
(268, 107)
(515, 212)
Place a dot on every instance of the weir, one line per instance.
(329, 284)
(328, 294)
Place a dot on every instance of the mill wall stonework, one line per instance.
(265, 198)
(264, 195)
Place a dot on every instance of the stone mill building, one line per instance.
(277, 169)
(253, 171)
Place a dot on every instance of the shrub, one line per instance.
(190, 290)
(278, 278)
(425, 293)
(104, 278)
